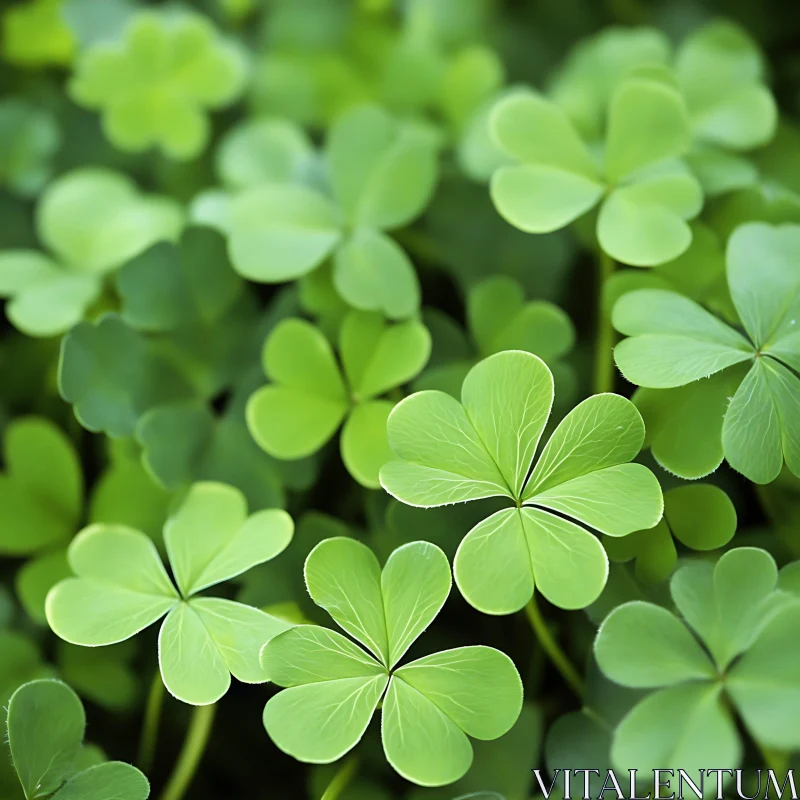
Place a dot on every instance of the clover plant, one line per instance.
(121, 587)
(484, 446)
(428, 706)
(744, 407)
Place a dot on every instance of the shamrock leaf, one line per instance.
(729, 105)
(121, 587)
(29, 137)
(645, 195)
(35, 34)
(309, 397)
(737, 613)
(381, 174)
(674, 343)
(429, 706)
(92, 220)
(484, 446)
(41, 492)
(700, 516)
(155, 84)
(46, 723)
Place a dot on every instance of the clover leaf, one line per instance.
(29, 137)
(35, 34)
(646, 196)
(121, 587)
(746, 660)
(155, 85)
(41, 491)
(700, 516)
(673, 342)
(429, 706)
(46, 724)
(484, 446)
(91, 220)
(310, 397)
(382, 174)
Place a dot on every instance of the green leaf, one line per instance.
(769, 304)
(169, 285)
(377, 356)
(415, 583)
(673, 341)
(478, 688)
(46, 722)
(642, 645)
(502, 558)
(383, 172)
(344, 577)
(364, 445)
(103, 675)
(420, 741)
(701, 516)
(301, 410)
(94, 219)
(508, 398)
(373, 273)
(682, 727)
(210, 538)
(763, 683)
(36, 578)
(761, 425)
(113, 779)
(280, 232)
(41, 492)
(121, 587)
(647, 123)
(730, 604)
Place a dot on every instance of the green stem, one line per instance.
(193, 748)
(604, 347)
(341, 779)
(152, 719)
(553, 649)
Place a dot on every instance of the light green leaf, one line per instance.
(113, 780)
(603, 431)
(311, 654)
(343, 576)
(701, 516)
(239, 633)
(644, 646)
(373, 273)
(647, 123)
(443, 458)
(478, 688)
(364, 446)
(320, 722)
(508, 398)
(301, 410)
(121, 587)
(420, 741)
(383, 172)
(764, 683)
(415, 583)
(280, 232)
(46, 722)
(378, 357)
(767, 298)
(210, 538)
(682, 727)
(192, 667)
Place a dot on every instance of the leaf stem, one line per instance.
(341, 779)
(193, 748)
(604, 345)
(553, 649)
(152, 720)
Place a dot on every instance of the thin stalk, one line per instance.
(193, 748)
(553, 649)
(604, 347)
(341, 779)
(152, 720)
